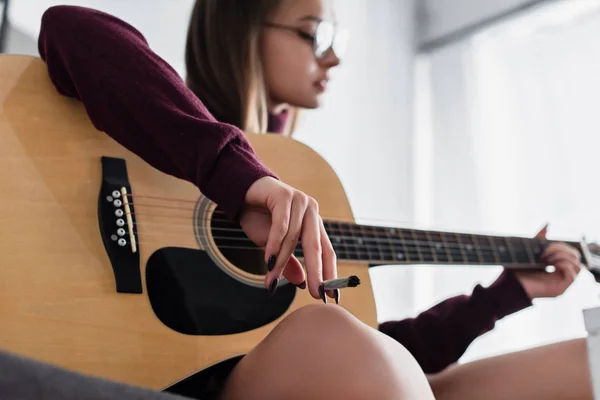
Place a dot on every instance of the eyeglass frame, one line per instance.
(307, 36)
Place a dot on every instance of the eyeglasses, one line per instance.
(327, 36)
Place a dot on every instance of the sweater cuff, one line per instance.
(507, 294)
(236, 169)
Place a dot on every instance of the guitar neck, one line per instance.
(383, 245)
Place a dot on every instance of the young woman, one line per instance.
(251, 64)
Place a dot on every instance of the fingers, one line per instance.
(560, 251)
(287, 244)
(294, 272)
(311, 245)
(280, 223)
(295, 215)
(329, 261)
(565, 258)
(568, 271)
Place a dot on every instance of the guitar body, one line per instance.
(59, 301)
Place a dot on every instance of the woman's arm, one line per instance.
(439, 336)
(135, 97)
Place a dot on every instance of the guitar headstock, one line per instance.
(591, 258)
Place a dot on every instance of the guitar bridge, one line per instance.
(116, 220)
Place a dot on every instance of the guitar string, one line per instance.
(383, 242)
(449, 247)
(362, 255)
(479, 235)
(521, 257)
(358, 226)
(221, 212)
(375, 241)
(358, 229)
(330, 218)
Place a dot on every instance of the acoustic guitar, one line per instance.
(112, 268)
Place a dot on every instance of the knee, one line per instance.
(322, 349)
(325, 317)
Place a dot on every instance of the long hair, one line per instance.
(223, 60)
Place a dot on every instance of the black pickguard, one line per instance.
(192, 295)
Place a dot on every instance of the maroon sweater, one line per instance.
(134, 96)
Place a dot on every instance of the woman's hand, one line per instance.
(291, 214)
(567, 262)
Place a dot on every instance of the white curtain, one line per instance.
(507, 139)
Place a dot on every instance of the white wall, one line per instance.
(164, 23)
(364, 129)
(20, 42)
(505, 106)
(438, 18)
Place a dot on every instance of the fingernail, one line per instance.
(273, 287)
(302, 285)
(271, 263)
(322, 294)
(336, 295)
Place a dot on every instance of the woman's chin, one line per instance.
(312, 103)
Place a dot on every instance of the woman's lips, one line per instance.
(321, 85)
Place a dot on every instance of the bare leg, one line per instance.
(323, 352)
(556, 371)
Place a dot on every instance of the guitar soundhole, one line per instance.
(235, 246)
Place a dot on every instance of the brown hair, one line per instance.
(223, 60)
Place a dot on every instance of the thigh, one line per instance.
(556, 371)
(323, 352)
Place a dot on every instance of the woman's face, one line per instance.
(294, 75)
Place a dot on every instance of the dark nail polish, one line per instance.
(271, 263)
(302, 285)
(273, 287)
(336, 295)
(322, 294)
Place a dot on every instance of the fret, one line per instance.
(446, 247)
(442, 250)
(463, 253)
(458, 249)
(395, 253)
(520, 250)
(427, 250)
(480, 257)
(400, 236)
(378, 243)
(355, 252)
(432, 247)
(416, 244)
(360, 241)
(502, 249)
(511, 251)
(397, 245)
(540, 245)
(467, 246)
(335, 235)
(348, 242)
(487, 253)
(494, 250)
(385, 246)
(412, 250)
(530, 256)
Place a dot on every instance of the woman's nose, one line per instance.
(330, 59)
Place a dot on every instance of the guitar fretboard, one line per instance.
(374, 244)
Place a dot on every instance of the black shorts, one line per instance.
(206, 384)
